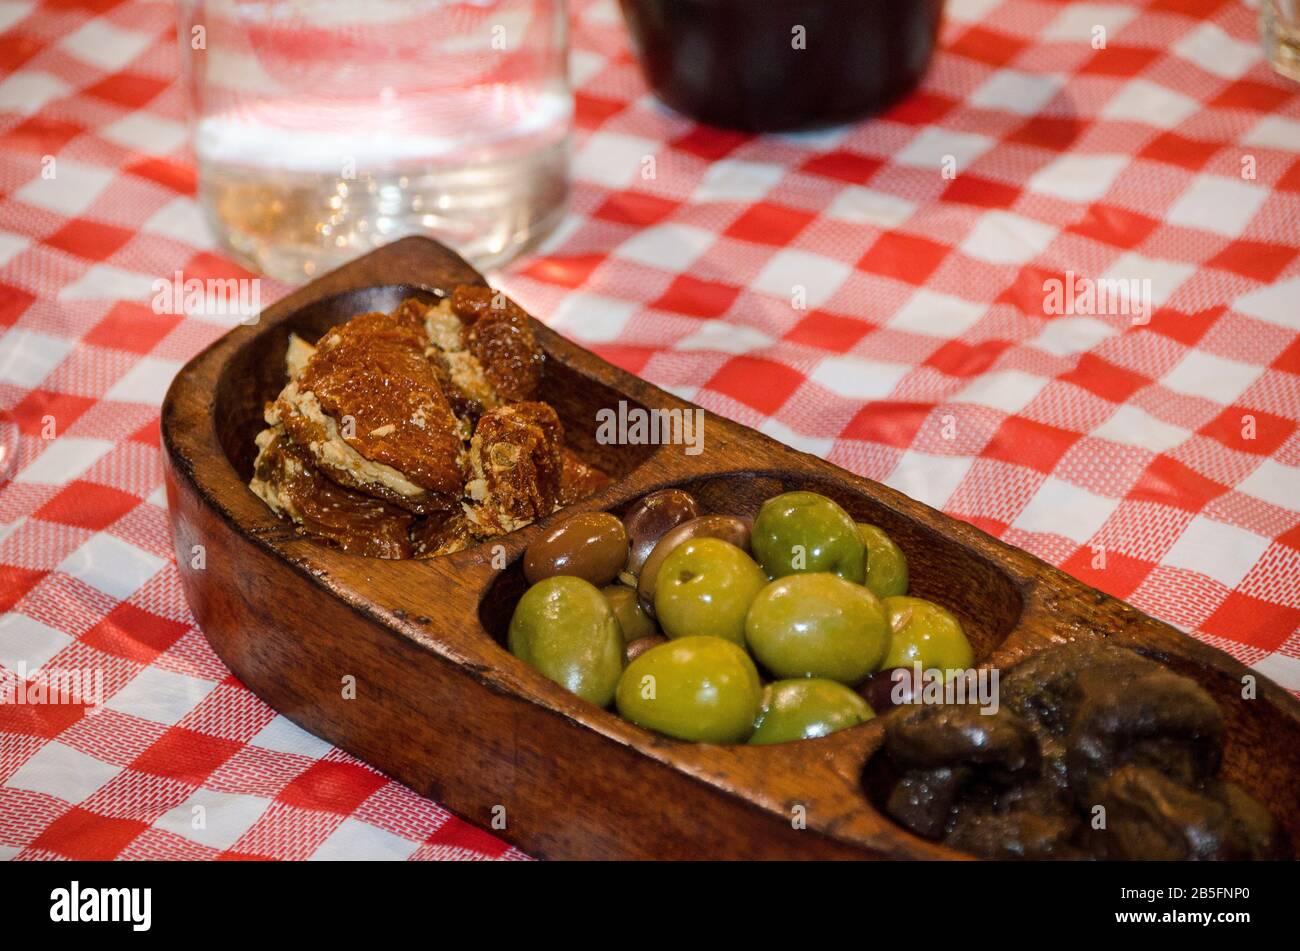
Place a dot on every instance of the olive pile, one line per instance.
(666, 611)
(1085, 731)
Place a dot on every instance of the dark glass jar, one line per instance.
(766, 65)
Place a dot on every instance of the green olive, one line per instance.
(886, 563)
(803, 532)
(705, 587)
(703, 689)
(730, 528)
(921, 630)
(632, 618)
(564, 627)
(817, 625)
(806, 708)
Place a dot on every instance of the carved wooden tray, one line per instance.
(443, 707)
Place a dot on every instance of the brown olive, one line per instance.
(631, 616)
(591, 546)
(651, 518)
(887, 688)
(639, 646)
(730, 528)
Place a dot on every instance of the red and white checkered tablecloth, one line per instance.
(923, 358)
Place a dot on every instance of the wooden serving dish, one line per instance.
(443, 707)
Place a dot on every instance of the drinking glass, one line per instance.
(325, 128)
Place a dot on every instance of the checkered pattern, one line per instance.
(834, 289)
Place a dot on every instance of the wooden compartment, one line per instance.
(441, 706)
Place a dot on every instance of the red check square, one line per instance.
(1192, 9)
(1174, 149)
(185, 755)
(1257, 260)
(87, 505)
(150, 434)
(1048, 132)
(987, 46)
(1114, 572)
(133, 633)
(961, 359)
(1124, 61)
(709, 143)
(633, 208)
(767, 223)
(1169, 482)
(973, 190)
(625, 357)
(1289, 359)
(331, 786)
(1290, 180)
(178, 177)
(844, 166)
(93, 6)
(132, 326)
(456, 833)
(1249, 94)
(570, 271)
(1107, 380)
(1112, 225)
(47, 414)
(920, 108)
(1270, 624)
(15, 582)
(89, 239)
(1028, 291)
(828, 331)
(13, 304)
(44, 720)
(1185, 328)
(18, 48)
(987, 524)
(904, 257)
(131, 90)
(206, 266)
(1249, 430)
(763, 384)
(590, 111)
(697, 298)
(82, 835)
(890, 423)
(42, 134)
(1027, 442)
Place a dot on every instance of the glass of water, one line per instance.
(326, 128)
(1279, 23)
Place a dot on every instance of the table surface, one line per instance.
(923, 358)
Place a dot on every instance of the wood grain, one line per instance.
(440, 704)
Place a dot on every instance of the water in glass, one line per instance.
(325, 128)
